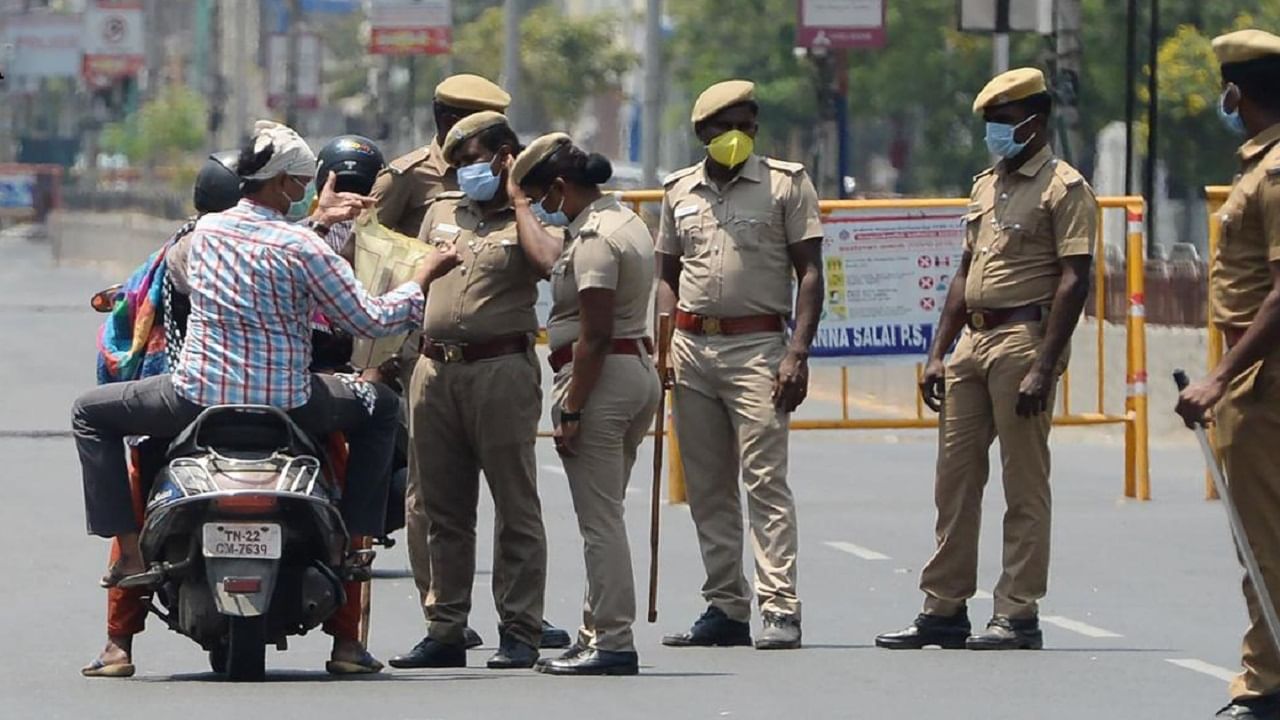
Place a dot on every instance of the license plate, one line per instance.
(242, 540)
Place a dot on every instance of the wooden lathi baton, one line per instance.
(665, 329)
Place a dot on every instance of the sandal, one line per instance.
(366, 665)
(97, 668)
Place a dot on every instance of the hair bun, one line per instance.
(597, 170)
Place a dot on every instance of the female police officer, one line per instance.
(606, 388)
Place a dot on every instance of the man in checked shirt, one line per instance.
(256, 281)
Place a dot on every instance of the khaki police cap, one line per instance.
(722, 95)
(472, 92)
(468, 127)
(1244, 46)
(1008, 87)
(538, 150)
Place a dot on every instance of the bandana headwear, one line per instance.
(292, 155)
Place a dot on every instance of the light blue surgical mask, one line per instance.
(299, 209)
(554, 219)
(1000, 138)
(478, 181)
(1231, 120)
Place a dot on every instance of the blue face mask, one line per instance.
(554, 219)
(478, 181)
(1231, 120)
(1000, 139)
(299, 209)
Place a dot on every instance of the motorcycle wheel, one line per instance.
(218, 659)
(247, 649)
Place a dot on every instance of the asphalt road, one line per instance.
(1142, 620)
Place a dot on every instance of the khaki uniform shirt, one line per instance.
(1250, 238)
(610, 248)
(407, 187)
(733, 240)
(492, 293)
(1020, 225)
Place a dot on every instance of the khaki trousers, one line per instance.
(983, 376)
(727, 425)
(1248, 426)
(615, 421)
(465, 419)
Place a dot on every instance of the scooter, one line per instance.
(242, 538)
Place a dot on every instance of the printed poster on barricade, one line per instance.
(887, 274)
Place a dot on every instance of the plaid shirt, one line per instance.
(256, 281)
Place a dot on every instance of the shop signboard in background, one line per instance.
(17, 192)
(36, 47)
(114, 41)
(887, 275)
(309, 62)
(841, 24)
(406, 27)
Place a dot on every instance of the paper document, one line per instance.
(384, 259)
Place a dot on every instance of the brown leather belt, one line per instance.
(707, 325)
(992, 319)
(447, 352)
(625, 346)
(1232, 335)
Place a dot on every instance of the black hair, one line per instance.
(573, 165)
(1257, 80)
(1039, 104)
(250, 162)
(492, 138)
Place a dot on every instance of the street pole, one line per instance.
(512, 13)
(291, 65)
(1153, 105)
(652, 92)
(238, 22)
(841, 101)
(1130, 91)
(1000, 41)
(1067, 81)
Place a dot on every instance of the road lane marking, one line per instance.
(1076, 626)
(556, 469)
(1204, 668)
(857, 550)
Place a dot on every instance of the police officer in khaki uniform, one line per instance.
(474, 401)
(606, 388)
(1019, 292)
(407, 187)
(1245, 386)
(735, 229)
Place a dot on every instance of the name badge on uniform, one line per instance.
(685, 211)
(448, 229)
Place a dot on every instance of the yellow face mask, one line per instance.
(731, 149)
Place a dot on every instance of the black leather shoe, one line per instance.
(1263, 708)
(781, 632)
(553, 638)
(574, 651)
(712, 629)
(1006, 633)
(947, 632)
(471, 639)
(512, 654)
(593, 662)
(431, 654)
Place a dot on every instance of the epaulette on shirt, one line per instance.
(783, 166)
(983, 174)
(405, 163)
(673, 177)
(1067, 174)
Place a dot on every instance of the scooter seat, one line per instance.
(244, 428)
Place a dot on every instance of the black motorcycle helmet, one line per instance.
(218, 185)
(354, 159)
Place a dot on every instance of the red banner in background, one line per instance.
(410, 27)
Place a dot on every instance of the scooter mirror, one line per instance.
(104, 300)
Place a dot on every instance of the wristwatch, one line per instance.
(318, 227)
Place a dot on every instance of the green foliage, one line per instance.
(564, 61)
(161, 130)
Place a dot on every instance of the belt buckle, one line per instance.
(452, 353)
(710, 326)
(978, 320)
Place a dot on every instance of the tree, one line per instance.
(162, 130)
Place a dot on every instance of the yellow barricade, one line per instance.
(1134, 418)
